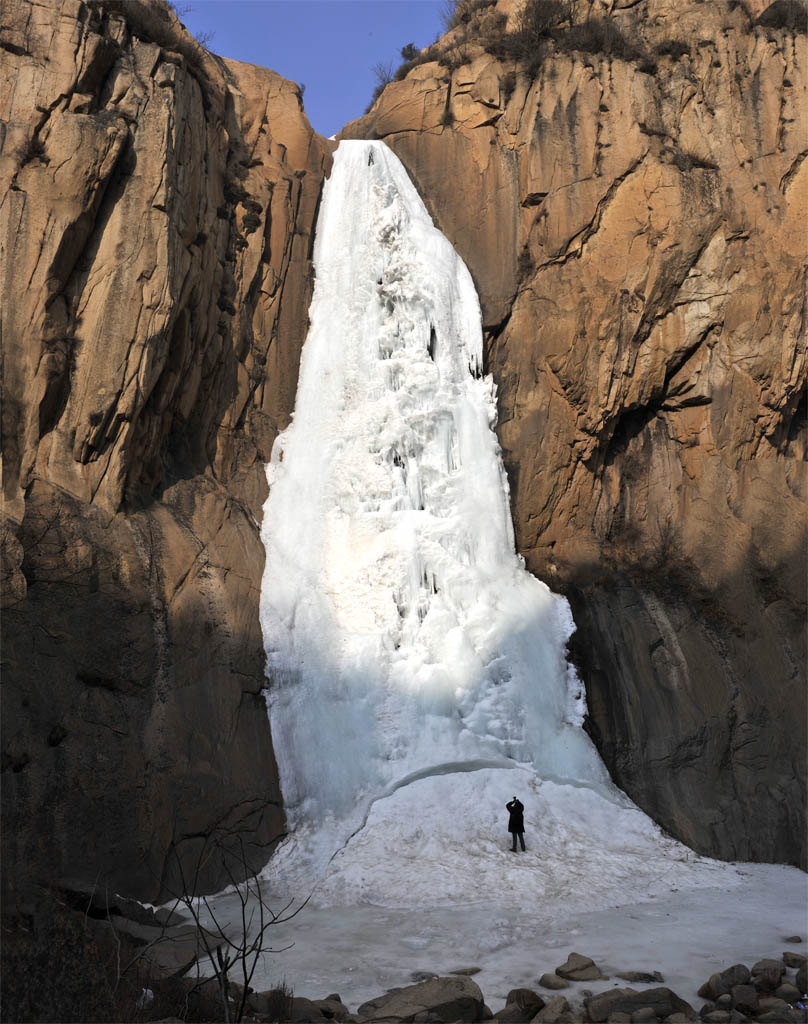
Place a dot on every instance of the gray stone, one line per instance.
(334, 1009)
(466, 971)
(304, 1010)
(788, 992)
(793, 938)
(449, 998)
(707, 1008)
(553, 1012)
(724, 1002)
(794, 959)
(641, 977)
(628, 1000)
(717, 1017)
(579, 968)
(618, 1018)
(528, 1001)
(765, 965)
(771, 1003)
(643, 1015)
(553, 981)
(768, 978)
(801, 981)
(513, 1014)
(722, 981)
(745, 998)
(677, 1018)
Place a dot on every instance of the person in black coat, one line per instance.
(516, 822)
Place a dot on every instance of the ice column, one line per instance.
(403, 634)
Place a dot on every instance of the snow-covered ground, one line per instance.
(517, 934)
(417, 672)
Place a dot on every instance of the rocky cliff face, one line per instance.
(631, 208)
(629, 192)
(156, 220)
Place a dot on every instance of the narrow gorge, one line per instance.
(631, 213)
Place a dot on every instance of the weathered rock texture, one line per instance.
(156, 219)
(635, 227)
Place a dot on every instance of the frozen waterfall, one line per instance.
(405, 640)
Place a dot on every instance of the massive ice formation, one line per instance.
(404, 637)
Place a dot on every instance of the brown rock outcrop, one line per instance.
(156, 218)
(633, 216)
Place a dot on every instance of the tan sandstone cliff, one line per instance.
(634, 221)
(633, 214)
(156, 217)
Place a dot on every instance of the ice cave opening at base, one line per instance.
(417, 672)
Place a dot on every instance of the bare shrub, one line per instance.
(673, 48)
(32, 150)
(460, 12)
(791, 15)
(230, 951)
(599, 35)
(508, 85)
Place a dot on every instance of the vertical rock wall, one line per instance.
(633, 216)
(156, 215)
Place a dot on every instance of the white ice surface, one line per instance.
(417, 671)
(404, 637)
(519, 932)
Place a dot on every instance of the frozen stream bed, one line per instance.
(361, 951)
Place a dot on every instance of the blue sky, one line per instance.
(330, 45)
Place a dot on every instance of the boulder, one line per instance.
(717, 1017)
(556, 1010)
(794, 959)
(744, 999)
(521, 1004)
(769, 978)
(305, 1010)
(722, 981)
(553, 981)
(801, 981)
(788, 992)
(332, 1009)
(579, 968)
(793, 938)
(628, 1000)
(724, 1002)
(771, 1004)
(643, 1015)
(451, 998)
(641, 977)
(767, 964)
